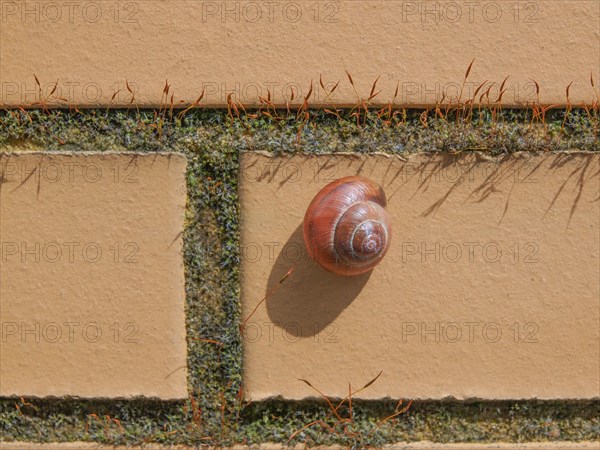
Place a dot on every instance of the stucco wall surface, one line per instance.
(489, 289)
(127, 52)
(91, 275)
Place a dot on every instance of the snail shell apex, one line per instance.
(346, 227)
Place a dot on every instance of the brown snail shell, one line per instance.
(346, 227)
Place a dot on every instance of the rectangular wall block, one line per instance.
(91, 275)
(244, 50)
(490, 288)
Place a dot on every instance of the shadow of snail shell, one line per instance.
(346, 227)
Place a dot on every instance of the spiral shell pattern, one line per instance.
(346, 227)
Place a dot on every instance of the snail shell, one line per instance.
(346, 227)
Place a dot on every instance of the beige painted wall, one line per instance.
(489, 289)
(91, 275)
(89, 50)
